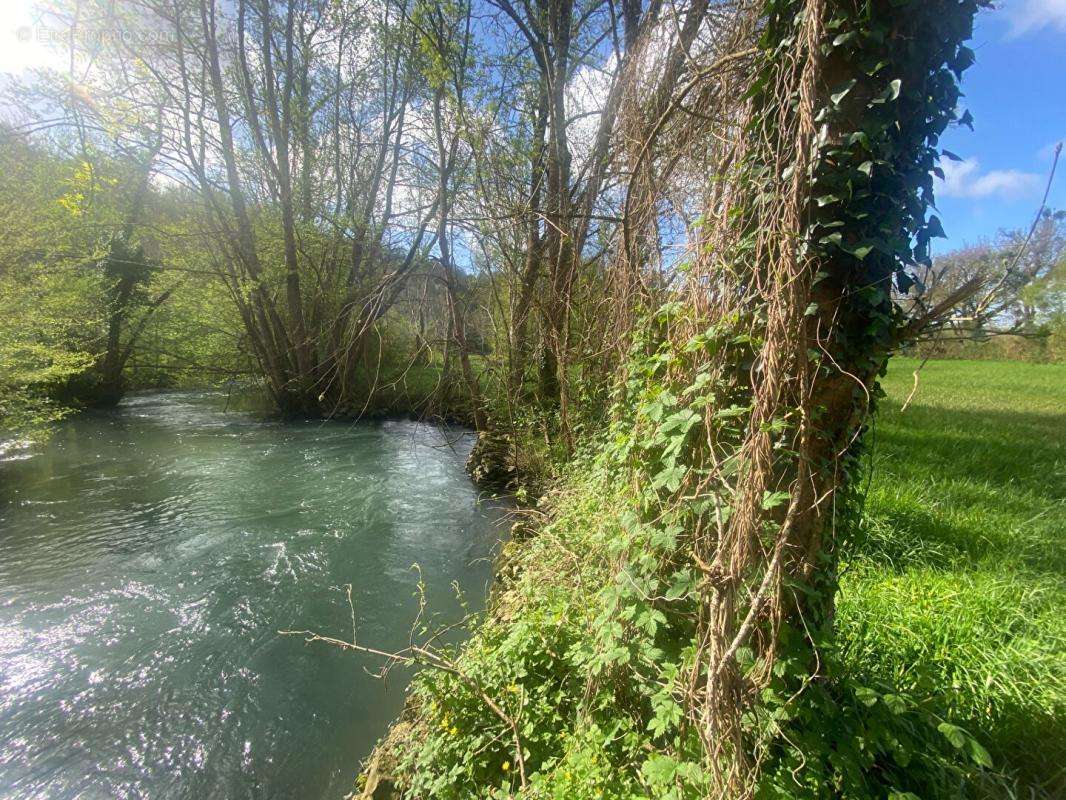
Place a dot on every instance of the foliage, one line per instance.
(671, 631)
(945, 681)
(1020, 309)
(40, 324)
(44, 322)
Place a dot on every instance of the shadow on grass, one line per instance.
(952, 489)
(1003, 447)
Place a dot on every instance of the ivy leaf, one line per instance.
(966, 119)
(859, 137)
(889, 94)
(836, 97)
(844, 38)
(877, 68)
(867, 168)
(904, 282)
(935, 229)
(964, 58)
(950, 155)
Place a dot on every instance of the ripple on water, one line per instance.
(150, 555)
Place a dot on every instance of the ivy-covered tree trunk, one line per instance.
(847, 106)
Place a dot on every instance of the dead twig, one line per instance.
(914, 389)
(415, 654)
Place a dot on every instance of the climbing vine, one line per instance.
(688, 649)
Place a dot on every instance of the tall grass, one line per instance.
(955, 587)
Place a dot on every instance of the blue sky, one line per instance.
(1017, 94)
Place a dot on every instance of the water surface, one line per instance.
(148, 557)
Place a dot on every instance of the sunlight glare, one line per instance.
(24, 39)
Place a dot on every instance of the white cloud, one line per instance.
(1025, 16)
(965, 179)
(585, 96)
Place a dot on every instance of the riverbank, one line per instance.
(948, 677)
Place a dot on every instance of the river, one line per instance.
(148, 558)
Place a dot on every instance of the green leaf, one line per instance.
(659, 769)
(670, 478)
(889, 94)
(964, 58)
(954, 734)
(934, 229)
(866, 696)
(979, 754)
(682, 584)
(839, 95)
(773, 499)
(895, 703)
(654, 410)
(681, 421)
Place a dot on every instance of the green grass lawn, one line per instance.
(955, 589)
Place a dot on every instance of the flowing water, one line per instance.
(150, 555)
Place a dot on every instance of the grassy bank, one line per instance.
(951, 619)
(956, 587)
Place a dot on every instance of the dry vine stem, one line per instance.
(780, 387)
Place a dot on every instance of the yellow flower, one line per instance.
(454, 730)
(506, 766)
